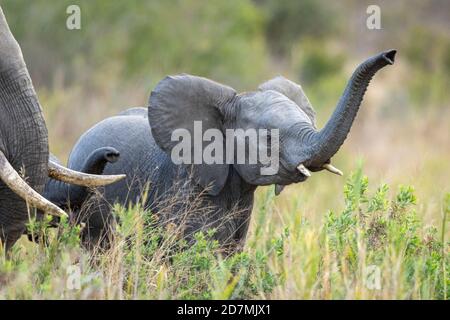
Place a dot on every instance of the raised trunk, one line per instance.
(326, 142)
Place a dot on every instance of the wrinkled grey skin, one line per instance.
(224, 192)
(23, 134)
(72, 196)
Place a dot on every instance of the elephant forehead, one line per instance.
(271, 109)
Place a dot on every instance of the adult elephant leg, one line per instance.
(11, 238)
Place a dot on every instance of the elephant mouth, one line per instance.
(292, 176)
(306, 170)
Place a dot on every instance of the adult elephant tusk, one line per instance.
(58, 172)
(15, 182)
(332, 169)
(303, 170)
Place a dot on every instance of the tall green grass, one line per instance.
(375, 247)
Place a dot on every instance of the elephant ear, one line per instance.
(294, 92)
(178, 101)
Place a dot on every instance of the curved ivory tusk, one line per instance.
(15, 182)
(303, 170)
(332, 169)
(58, 172)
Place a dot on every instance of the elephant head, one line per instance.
(179, 101)
(24, 152)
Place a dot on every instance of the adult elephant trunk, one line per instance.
(325, 143)
(67, 195)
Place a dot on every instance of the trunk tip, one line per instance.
(112, 155)
(389, 56)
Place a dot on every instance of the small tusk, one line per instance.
(332, 169)
(15, 182)
(278, 189)
(303, 170)
(59, 172)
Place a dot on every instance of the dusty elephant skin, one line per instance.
(224, 193)
(24, 151)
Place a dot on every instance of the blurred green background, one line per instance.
(124, 48)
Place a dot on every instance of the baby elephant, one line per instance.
(197, 195)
